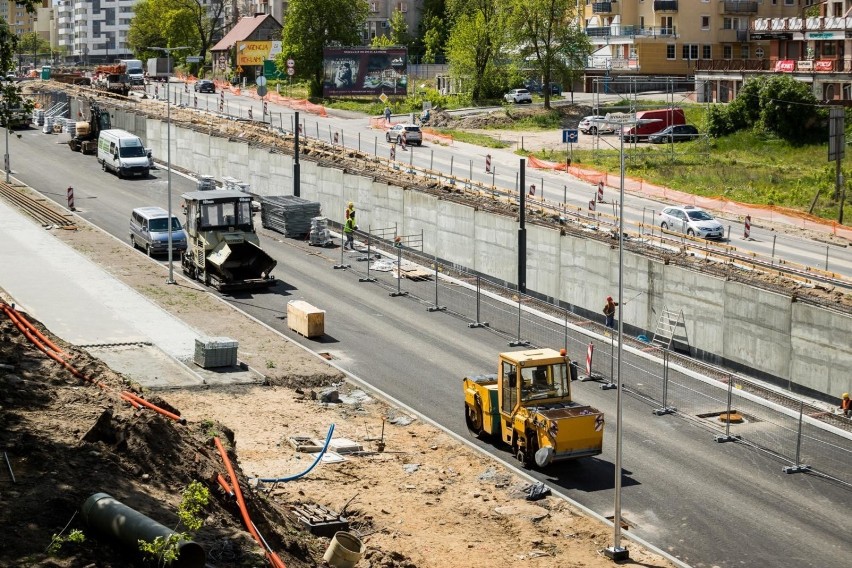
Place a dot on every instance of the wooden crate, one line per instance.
(305, 319)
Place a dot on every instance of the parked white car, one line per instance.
(595, 124)
(693, 221)
(518, 96)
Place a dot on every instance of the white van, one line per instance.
(123, 153)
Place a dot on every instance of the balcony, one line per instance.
(665, 5)
(604, 7)
(738, 7)
(733, 36)
(732, 65)
(604, 34)
(796, 24)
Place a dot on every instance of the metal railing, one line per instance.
(730, 407)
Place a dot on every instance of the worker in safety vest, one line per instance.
(846, 405)
(349, 231)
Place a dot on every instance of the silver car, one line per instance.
(595, 124)
(412, 134)
(693, 221)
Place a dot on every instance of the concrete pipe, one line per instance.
(113, 518)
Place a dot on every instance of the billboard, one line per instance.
(364, 71)
(256, 52)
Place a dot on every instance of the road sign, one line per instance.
(383, 97)
(291, 71)
(193, 59)
(260, 81)
(570, 135)
(291, 63)
(261, 91)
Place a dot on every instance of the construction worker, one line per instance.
(350, 211)
(349, 230)
(846, 405)
(609, 312)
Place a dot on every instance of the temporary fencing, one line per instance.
(777, 424)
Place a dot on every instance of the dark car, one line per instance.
(674, 133)
(205, 86)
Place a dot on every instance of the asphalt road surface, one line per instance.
(706, 503)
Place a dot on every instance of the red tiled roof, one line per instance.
(240, 32)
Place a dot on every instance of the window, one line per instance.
(641, 22)
(705, 22)
(829, 48)
(666, 25)
(510, 390)
(727, 52)
(670, 51)
(789, 2)
(706, 52)
(689, 51)
(734, 23)
(744, 51)
(759, 53)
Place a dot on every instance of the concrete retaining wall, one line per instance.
(799, 346)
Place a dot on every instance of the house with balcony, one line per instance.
(675, 40)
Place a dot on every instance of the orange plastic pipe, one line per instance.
(33, 328)
(224, 484)
(154, 407)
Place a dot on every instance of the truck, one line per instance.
(135, 71)
(112, 79)
(86, 132)
(527, 406)
(223, 249)
(159, 68)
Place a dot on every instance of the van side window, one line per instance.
(112, 147)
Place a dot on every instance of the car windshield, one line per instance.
(699, 216)
(133, 151)
(546, 381)
(159, 225)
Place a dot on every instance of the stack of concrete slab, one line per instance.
(320, 235)
(205, 183)
(288, 214)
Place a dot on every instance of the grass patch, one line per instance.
(745, 167)
(483, 140)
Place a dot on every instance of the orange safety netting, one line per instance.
(296, 104)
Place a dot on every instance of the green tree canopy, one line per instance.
(311, 25)
(31, 42)
(776, 104)
(399, 30)
(431, 40)
(173, 23)
(475, 45)
(547, 37)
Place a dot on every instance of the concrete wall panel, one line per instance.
(455, 230)
(756, 327)
(495, 243)
(821, 349)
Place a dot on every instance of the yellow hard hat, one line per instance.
(846, 395)
(351, 204)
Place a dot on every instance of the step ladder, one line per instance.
(667, 327)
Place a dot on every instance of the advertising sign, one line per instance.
(824, 65)
(785, 66)
(256, 52)
(364, 71)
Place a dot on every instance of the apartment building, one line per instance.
(711, 41)
(94, 31)
(379, 16)
(20, 21)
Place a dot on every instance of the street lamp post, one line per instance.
(168, 51)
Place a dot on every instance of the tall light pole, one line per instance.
(168, 51)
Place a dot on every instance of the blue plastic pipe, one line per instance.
(307, 471)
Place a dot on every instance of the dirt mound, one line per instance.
(66, 440)
(506, 117)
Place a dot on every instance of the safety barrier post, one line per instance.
(478, 322)
(600, 191)
(772, 261)
(565, 328)
(826, 258)
(368, 278)
(437, 307)
(399, 291)
(411, 161)
(487, 163)
(70, 196)
(747, 230)
(611, 384)
(798, 467)
(727, 437)
(666, 409)
(518, 342)
(341, 265)
(590, 354)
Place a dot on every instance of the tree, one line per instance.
(381, 41)
(311, 25)
(477, 38)
(547, 36)
(12, 101)
(32, 43)
(173, 23)
(399, 30)
(435, 24)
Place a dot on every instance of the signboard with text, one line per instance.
(256, 52)
(785, 66)
(364, 71)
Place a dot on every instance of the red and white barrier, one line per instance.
(488, 163)
(589, 354)
(747, 227)
(393, 152)
(591, 205)
(70, 195)
(600, 192)
(335, 138)
(532, 189)
(251, 117)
